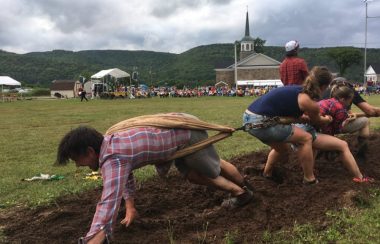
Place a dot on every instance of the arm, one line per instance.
(304, 70)
(311, 109)
(369, 110)
(130, 212)
(115, 175)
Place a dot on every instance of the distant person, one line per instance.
(293, 70)
(82, 94)
(123, 150)
(296, 102)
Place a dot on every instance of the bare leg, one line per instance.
(332, 143)
(275, 155)
(219, 182)
(305, 153)
(230, 172)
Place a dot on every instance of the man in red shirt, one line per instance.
(293, 70)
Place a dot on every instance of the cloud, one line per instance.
(178, 25)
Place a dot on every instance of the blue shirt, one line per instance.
(282, 101)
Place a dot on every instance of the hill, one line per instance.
(196, 64)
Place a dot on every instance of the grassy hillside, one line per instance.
(154, 67)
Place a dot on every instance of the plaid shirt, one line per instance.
(337, 111)
(293, 71)
(120, 154)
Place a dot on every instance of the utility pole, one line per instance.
(365, 39)
(236, 84)
(365, 43)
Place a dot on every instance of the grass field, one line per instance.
(31, 130)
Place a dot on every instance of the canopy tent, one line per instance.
(7, 81)
(117, 73)
(221, 83)
(259, 83)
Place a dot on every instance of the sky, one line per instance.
(176, 26)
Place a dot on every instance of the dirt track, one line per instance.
(173, 208)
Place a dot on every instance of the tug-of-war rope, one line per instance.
(186, 121)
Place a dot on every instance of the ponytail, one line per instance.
(319, 76)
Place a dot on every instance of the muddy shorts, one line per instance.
(276, 133)
(205, 161)
(355, 125)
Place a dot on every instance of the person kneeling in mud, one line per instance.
(118, 153)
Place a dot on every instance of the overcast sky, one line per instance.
(178, 25)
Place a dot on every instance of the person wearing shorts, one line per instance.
(119, 153)
(298, 102)
(344, 121)
(329, 143)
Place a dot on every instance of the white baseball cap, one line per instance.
(291, 45)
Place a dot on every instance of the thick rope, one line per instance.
(184, 121)
(171, 121)
(179, 121)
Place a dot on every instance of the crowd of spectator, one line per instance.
(202, 91)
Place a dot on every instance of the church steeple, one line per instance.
(247, 42)
(247, 25)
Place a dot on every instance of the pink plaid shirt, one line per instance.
(337, 111)
(120, 154)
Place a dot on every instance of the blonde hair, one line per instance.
(319, 76)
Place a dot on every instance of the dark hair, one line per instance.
(319, 76)
(292, 53)
(77, 141)
(341, 90)
(341, 81)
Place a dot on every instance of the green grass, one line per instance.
(348, 226)
(31, 130)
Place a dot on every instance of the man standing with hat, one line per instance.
(293, 69)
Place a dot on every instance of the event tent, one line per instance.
(117, 73)
(276, 83)
(7, 81)
(104, 75)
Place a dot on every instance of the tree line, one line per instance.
(193, 67)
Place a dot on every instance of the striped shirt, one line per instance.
(337, 111)
(120, 154)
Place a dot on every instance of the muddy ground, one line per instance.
(173, 209)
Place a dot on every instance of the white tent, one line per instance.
(7, 81)
(117, 73)
(260, 83)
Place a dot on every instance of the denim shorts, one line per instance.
(308, 128)
(276, 133)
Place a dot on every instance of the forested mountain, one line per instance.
(190, 67)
